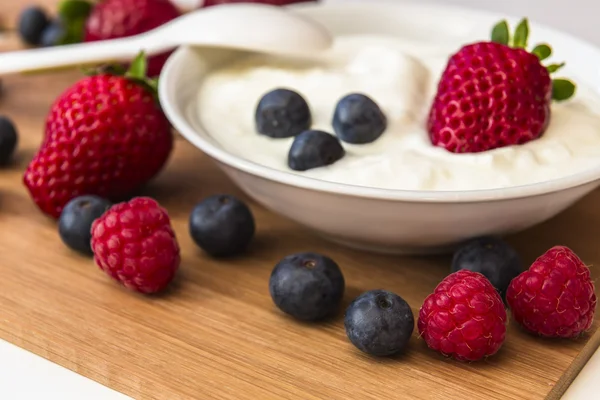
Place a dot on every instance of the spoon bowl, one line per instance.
(239, 26)
(258, 28)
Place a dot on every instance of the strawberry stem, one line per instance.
(501, 33)
(137, 72)
(562, 89)
(521, 34)
(109, 69)
(73, 15)
(139, 67)
(543, 51)
(75, 9)
(552, 68)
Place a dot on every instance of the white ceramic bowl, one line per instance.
(393, 221)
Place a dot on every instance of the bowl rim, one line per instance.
(179, 121)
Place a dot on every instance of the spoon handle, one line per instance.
(82, 54)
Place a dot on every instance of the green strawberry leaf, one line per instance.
(73, 15)
(74, 9)
(153, 84)
(89, 71)
(501, 33)
(136, 73)
(139, 67)
(521, 34)
(110, 69)
(542, 51)
(562, 89)
(552, 68)
(73, 31)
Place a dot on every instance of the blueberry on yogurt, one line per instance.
(314, 149)
(282, 113)
(358, 119)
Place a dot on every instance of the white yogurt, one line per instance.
(401, 77)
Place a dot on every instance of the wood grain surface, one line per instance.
(215, 333)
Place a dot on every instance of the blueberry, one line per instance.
(53, 34)
(492, 257)
(8, 140)
(307, 286)
(313, 149)
(379, 323)
(282, 113)
(75, 223)
(358, 119)
(222, 226)
(32, 22)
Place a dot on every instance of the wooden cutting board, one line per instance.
(215, 333)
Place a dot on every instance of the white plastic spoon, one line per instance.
(244, 26)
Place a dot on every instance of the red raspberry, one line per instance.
(464, 317)
(133, 242)
(555, 297)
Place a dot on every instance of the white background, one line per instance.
(24, 376)
(579, 17)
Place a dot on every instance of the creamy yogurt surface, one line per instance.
(401, 76)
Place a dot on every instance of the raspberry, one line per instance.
(133, 242)
(555, 297)
(464, 317)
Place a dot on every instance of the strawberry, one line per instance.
(495, 93)
(90, 21)
(106, 136)
(208, 3)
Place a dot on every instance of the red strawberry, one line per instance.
(555, 297)
(134, 244)
(495, 94)
(112, 19)
(464, 317)
(105, 136)
(208, 3)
